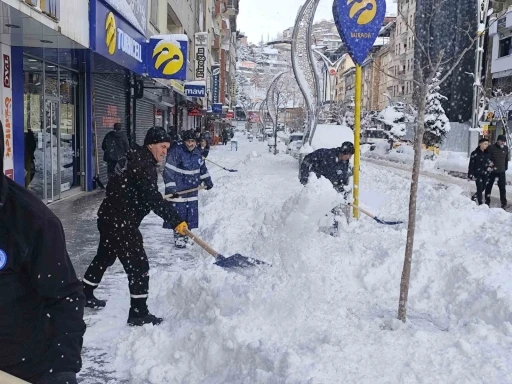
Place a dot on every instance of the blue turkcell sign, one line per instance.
(359, 23)
(195, 90)
(112, 37)
(167, 57)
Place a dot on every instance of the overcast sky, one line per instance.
(268, 17)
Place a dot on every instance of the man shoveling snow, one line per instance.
(334, 165)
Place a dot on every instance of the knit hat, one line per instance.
(347, 148)
(157, 135)
(502, 138)
(188, 135)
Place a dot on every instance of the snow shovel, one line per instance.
(184, 192)
(380, 221)
(235, 261)
(220, 166)
(5, 378)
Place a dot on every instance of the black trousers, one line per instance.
(117, 240)
(502, 181)
(111, 168)
(481, 183)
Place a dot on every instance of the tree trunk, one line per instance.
(418, 141)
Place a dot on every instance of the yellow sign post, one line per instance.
(357, 138)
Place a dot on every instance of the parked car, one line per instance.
(293, 148)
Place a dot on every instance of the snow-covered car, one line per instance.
(373, 136)
(297, 136)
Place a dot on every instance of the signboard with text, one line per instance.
(215, 83)
(134, 11)
(6, 111)
(195, 89)
(200, 55)
(117, 40)
(167, 57)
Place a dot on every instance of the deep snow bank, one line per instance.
(324, 312)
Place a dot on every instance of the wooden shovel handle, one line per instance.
(5, 378)
(201, 187)
(201, 243)
(362, 211)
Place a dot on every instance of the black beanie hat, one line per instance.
(188, 135)
(347, 148)
(157, 135)
(502, 138)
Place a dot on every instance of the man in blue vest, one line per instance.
(185, 169)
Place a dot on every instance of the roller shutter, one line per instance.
(144, 120)
(109, 107)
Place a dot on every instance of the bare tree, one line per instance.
(427, 63)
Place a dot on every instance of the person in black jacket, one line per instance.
(499, 157)
(131, 196)
(115, 146)
(204, 147)
(333, 164)
(41, 299)
(480, 166)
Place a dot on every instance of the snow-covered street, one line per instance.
(325, 312)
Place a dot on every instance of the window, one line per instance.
(505, 45)
(153, 17)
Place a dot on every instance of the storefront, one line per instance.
(42, 94)
(121, 90)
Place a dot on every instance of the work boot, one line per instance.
(90, 300)
(139, 313)
(505, 206)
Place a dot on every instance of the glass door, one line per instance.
(51, 151)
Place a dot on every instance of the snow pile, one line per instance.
(331, 136)
(325, 309)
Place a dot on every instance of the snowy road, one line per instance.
(324, 312)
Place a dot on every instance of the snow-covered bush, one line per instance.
(437, 124)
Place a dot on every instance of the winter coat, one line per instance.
(115, 146)
(132, 192)
(326, 163)
(479, 163)
(204, 151)
(185, 169)
(41, 299)
(499, 157)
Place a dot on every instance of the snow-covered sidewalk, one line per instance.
(325, 311)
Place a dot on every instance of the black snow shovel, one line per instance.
(220, 166)
(380, 221)
(235, 261)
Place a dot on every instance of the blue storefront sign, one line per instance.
(359, 23)
(115, 39)
(217, 108)
(167, 57)
(195, 89)
(215, 83)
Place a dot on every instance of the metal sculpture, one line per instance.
(304, 65)
(273, 101)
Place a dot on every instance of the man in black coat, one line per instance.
(333, 164)
(480, 166)
(131, 195)
(499, 157)
(41, 299)
(115, 148)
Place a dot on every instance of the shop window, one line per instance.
(153, 17)
(505, 45)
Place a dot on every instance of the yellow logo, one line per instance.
(363, 10)
(111, 35)
(169, 58)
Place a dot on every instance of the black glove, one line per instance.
(303, 181)
(60, 378)
(208, 187)
(175, 196)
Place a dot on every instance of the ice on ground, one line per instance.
(325, 311)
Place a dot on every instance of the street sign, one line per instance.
(359, 23)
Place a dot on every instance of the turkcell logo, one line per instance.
(3, 259)
(117, 39)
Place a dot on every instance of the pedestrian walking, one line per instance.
(334, 165)
(480, 166)
(131, 196)
(185, 169)
(115, 148)
(30, 150)
(225, 136)
(499, 157)
(41, 299)
(204, 147)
